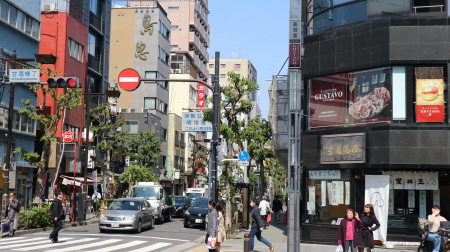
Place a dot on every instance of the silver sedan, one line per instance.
(127, 214)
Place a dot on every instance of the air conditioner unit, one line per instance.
(132, 110)
(123, 110)
(201, 57)
(178, 71)
(197, 33)
(49, 7)
(144, 110)
(172, 71)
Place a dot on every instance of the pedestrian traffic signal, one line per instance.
(63, 82)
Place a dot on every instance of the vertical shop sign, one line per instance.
(423, 204)
(341, 192)
(323, 188)
(399, 180)
(295, 33)
(421, 182)
(410, 182)
(432, 181)
(411, 199)
(334, 193)
(330, 193)
(391, 201)
(436, 197)
(347, 193)
(201, 96)
(311, 201)
(377, 194)
(429, 100)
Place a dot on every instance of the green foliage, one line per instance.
(144, 148)
(135, 173)
(37, 218)
(203, 158)
(278, 173)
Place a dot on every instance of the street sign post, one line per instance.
(243, 156)
(193, 122)
(129, 79)
(243, 163)
(24, 76)
(68, 136)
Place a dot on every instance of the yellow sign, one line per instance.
(148, 26)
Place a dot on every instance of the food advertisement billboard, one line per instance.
(327, 102)
(429, 100)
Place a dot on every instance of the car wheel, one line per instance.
(102, 230)
(169, 217)
(139, 227)
(152, 225)
(185, 225)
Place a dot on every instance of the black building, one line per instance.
(375, 78)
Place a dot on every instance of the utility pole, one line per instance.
(216, 111)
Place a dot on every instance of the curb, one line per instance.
(64, 226)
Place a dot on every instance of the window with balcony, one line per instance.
(174, 8)
(131, 127)
(75, 50)
(149, 103)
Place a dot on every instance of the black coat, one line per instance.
(276, 205)
(57, 209)
(366, 235)
(256, 218)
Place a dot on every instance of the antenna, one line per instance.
(236, 55)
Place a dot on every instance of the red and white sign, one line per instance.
(129, 79)
(68, 136)
(294, 55)
(201, 96)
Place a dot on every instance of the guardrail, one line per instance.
(429, 7)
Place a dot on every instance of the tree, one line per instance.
(106, 127)
(144, 148)
(234, 102)
(258, 134)
(278, 173)
(63, 100)
(202, 154)
(135, 173)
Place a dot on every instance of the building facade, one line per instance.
(141, 40)
(20, 25)
(375, 91)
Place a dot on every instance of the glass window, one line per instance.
(36, 31)
(174, 8)
(164, 134)
(12, 16)
(323, 21)
(21, 20)
(174, 47)
(222, 76)
(159, 51)
(320, 5)
(174, 28)
(131, 127)
(31, 125)
(96, 7)
(150, 103)
(211, 65)
(16, 120)
(94, 46)
(2, 116)
(28, 25)
(4, 8)
(75, 50)
(24, 124)
(337, 2)
(237, 65)
(151, 75)
(223, 65)
(349, 14)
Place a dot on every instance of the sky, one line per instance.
(256, 28)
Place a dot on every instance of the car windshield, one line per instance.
(202, 203)
(125, 205)
(194, 195)
(145, 192)
(179, 200)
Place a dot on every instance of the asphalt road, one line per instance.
(163, 238)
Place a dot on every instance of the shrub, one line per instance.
(37, 218)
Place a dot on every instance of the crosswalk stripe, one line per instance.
(27, 243)
(89, 245)
(18, 241)
(151, 247)
(12, 239)
(50, 244)
(121, 246)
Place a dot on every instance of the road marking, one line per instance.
(89, 245)
(126, 236)
(50, 244)
(121, 246)
(13, 238)
(17, 242)
(128, 79)
(27, 243)
(152, 247)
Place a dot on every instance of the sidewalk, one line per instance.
(275, 233)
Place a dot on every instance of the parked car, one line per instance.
(127, 214)
(182, 203)
(195, 215)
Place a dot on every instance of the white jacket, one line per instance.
(263, 205)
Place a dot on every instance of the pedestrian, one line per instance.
(125, 194)
(184, 193)
(222, 234)
(57, 211)
(96, 196)
(257, 227)
(212, 221)
(435, 220)
(277, 207)
(348, 234)
(265, 210)
(366, 233)
(12, 213)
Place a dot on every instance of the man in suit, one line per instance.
(12, 213)
(57, 216)
(277, 207)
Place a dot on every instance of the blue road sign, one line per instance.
(243, 156)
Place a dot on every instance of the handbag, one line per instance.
(339, 249)
(211, 242)
(269, 217)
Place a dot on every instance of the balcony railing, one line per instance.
(95, 21)
(94, 63)
(441, 7)
(183, 144)
(177, 142)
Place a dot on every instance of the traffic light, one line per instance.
(63, 82)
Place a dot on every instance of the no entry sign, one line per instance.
(68, 136)
(129, 79)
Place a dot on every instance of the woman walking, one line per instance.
(221, 233)
(366, 233)
(348, 231)
(212, 221)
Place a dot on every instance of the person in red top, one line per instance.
(348, 234)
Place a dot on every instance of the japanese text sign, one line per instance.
(346, 148)
(193, 122)
(201, 95)
(24, 76)
(324, 174)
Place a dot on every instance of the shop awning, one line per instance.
(78, 180)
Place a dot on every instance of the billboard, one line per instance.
(429, 100)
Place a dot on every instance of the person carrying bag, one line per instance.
(212, 226)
